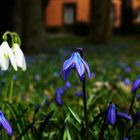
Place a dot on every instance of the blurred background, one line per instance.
(48, 23)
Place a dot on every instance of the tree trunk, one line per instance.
(100, 21)
(33, 31)
(127, 17)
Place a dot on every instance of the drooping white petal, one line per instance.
(19, 56)
(8, 54)
(4, 61)
(12, 59)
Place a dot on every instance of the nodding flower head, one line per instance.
(6, 55)
(111, 114)
(77, 63)
(5, 124)
(19, 56)
(136, 85)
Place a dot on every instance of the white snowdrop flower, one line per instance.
(6, 54)
(19, 56)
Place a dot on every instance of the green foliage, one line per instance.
(37, 86)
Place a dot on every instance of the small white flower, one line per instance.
(19, 57)
(6, 54)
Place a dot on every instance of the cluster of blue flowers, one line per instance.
(77, 63)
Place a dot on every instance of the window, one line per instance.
(138, 15)
(69, 14)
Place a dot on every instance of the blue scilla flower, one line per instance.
(138, 97)
(125, 139)
(59, 92)
(127, 69)
(136, 117)
(77, 63)
(79, 93)
(5, 124)
(136, 85)
(111, 114)
(137, 63)
(127, 81)
(93, 74)
(67, 85)
(37, 77)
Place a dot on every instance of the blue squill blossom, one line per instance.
(112, 115)
(127, 81)
(125, 139)
(136, 117)
(59, 92)
(5, 124)
(67, 85)
(136, 85)
(127, 69)
(79, 93)
(138, 97)
(78, 64)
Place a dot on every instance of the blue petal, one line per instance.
(87, 67)
(79, 67)
(125, 139)
(5, 124)
(111, 114)
(124, 116)
(67, 85)
(59, 100)
(66, 73)
(59, 91)
(68, 63)
(135, 85)
(138, 97)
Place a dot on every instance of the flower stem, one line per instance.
(101, 134)
(84, 95)
(132, 103)
(11, 90)
(85, 104)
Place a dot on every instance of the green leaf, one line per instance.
(15, 115)
(96, 119)
(67, 134)
(74, 115)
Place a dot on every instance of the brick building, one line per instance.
(60, 13)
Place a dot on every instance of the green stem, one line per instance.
(11, 90)
(101, 134)
(16, 38)
(4, 37)
(85, 104)
(132, 103)
(84, 96)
